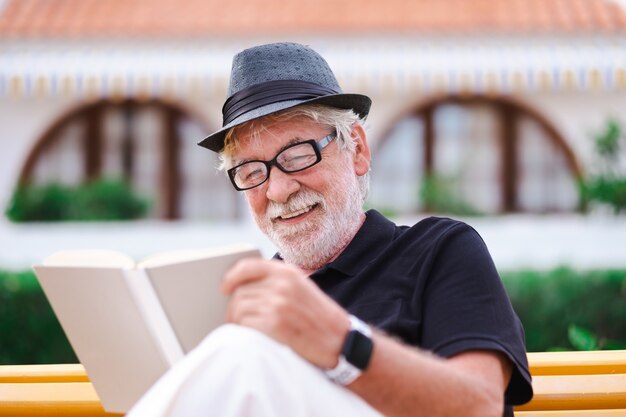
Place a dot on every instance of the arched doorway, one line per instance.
(151, 144)
(497, 154)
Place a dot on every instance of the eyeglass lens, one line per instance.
(293, 159)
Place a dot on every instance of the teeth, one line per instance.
(296, 213)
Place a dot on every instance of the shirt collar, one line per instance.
(373, 237)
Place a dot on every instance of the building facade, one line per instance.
(495, 102)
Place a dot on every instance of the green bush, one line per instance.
(605, 190)
(557, 306)
(96, 200)
(560, 309)
(30, 332)
(438, 194)
(606, 184)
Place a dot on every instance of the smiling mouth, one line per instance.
(297, 213)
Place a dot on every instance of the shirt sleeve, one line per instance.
(465, 307)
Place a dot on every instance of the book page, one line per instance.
(190, 295)
(154, 317)
(93, 258)
(183, 255)
(107, 329)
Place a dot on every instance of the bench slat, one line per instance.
(70, 399)
(576, 392)
(43, 373)
(572, 413)
(577, 363)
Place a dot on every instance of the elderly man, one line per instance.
(355, 316)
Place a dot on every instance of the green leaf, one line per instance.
(607, 143)
(581, 338)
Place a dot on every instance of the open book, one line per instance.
(129, 322)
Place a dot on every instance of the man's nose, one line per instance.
(281, 185)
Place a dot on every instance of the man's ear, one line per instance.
(361, 151)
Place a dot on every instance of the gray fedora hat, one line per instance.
(269, 78)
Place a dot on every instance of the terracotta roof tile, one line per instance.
(72, 18)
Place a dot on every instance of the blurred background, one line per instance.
(507, 114)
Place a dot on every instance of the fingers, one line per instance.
(273, 295)
(260, 306)
(281, 301)
(250, 270)
(246, 300)
(256, 288)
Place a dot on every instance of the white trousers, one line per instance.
(239, 372)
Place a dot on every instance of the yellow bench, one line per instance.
(572, 384)
(577, 384)
(48, 390)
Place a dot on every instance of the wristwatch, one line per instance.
(355, 354)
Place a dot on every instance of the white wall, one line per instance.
(22, 121)
(579, 117)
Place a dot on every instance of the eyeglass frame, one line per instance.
(317, 145)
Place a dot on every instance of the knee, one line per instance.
(243, 356)
(240, 340)
(239, 371)
(236, 333)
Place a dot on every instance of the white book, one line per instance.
(130, 322)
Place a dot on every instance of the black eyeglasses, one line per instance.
(294, 158)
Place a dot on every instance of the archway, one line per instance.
(149, 143)
(504, 155)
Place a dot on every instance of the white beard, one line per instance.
(320, 238)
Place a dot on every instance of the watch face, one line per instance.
(358, 349)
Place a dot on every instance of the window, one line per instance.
(152, 145)
(494, 154)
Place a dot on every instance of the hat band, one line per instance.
(271, 92)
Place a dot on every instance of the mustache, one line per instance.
(302, 199)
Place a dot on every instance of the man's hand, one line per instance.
(281, 301)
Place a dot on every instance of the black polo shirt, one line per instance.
(434, 285)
